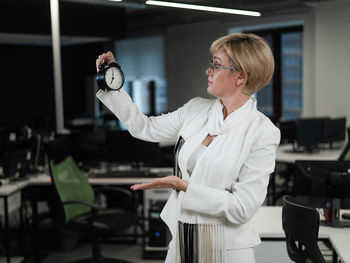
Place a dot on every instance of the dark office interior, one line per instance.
(164, 53)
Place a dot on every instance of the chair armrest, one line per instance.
(129, 200)
(95, 207)
(105, 189)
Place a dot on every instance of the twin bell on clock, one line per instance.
(110, 77)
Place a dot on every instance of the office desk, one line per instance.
(285, 159)
(8, 190)
(44, 179)
(268, 223)
(285, 154)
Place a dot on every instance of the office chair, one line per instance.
(345, 155)
(79, 212)
(300, 224)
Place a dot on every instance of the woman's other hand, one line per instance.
(104, 58)
(164, 182)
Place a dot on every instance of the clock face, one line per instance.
(114, 78)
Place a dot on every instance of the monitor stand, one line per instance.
(335, 219)
(302, 149)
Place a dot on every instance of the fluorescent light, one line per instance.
(204, 8)
(115, 0)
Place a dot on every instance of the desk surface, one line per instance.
(11, 188)
(44, 179)
(285, 154)
(268, 223)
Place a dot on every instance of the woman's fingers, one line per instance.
(165, 182)
(104, 58)
(143, 186)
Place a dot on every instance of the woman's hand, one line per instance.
(164, 182)
(104, 58)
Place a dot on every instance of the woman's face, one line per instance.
(221, 82)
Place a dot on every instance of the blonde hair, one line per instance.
(250, 54)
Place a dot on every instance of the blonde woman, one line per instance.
(225, 153)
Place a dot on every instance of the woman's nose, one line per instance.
(208, 72)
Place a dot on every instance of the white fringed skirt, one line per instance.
(204, 243)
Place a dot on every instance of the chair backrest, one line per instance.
(71, 184)
(345, 155)
(301, 224)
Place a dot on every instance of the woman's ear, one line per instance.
(241, 79)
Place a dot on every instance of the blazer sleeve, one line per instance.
(163, 128)
(247, 194)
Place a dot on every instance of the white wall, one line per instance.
(187, 57)
(140, 58)
(332, 59)
(326, 65)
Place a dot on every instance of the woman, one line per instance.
(226, 153)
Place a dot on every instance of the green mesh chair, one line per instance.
(80, 212)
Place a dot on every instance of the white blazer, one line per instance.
(229, 182)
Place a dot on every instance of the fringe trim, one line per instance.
(200, 243)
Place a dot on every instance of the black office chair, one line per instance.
(345, 155)
(80, 213)
(300, 224)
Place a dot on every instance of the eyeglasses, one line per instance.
(212, 66)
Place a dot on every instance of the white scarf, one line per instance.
(218, 125)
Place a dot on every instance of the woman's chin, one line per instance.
(210, 91)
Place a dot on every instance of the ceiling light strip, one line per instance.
(204, 8)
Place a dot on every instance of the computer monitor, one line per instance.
(324, 184)
(89, 147)
(21, 153)
(334, 130)
(310, 132)
(122, 147)
(59, 148)
(288, 131)
(16, 163)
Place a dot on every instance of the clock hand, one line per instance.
(112, 80)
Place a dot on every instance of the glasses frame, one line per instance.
(212, 66)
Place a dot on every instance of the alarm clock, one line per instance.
(110, 77)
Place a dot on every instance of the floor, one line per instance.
(132, 253)
(267, 252)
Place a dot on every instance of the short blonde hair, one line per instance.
(250, 54)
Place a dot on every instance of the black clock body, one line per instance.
(110, 77)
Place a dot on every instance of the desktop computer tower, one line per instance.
(157, 234)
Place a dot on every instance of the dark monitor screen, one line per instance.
(122, 147)
(318, 182)
(89, 147)
(18, 157)
(59, 148)
(334, 130)
(16, 163)
(310, 132)
(288, 131)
